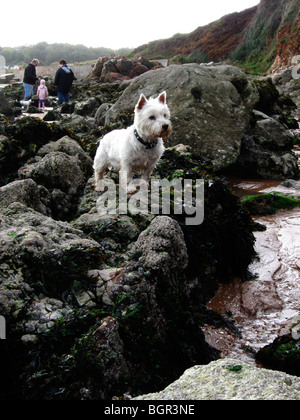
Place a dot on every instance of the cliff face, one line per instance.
(272, 38)
(257, 37)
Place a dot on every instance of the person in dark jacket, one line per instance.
(63, 81)
(30, 78)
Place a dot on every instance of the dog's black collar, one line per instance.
(147, 144)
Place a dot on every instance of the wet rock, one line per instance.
(137, 70)
(106, 348)
(229, 379)
(67, 108)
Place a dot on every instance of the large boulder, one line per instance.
(210, 107)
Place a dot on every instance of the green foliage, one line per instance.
(50, 53)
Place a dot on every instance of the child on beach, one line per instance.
(42, 94)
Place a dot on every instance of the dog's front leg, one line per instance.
(99, 184)
(125, 178)
(144, 182)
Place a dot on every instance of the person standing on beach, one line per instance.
(30, 78)
(63, 81)
(42, 94)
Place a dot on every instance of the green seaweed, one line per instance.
(270, 203)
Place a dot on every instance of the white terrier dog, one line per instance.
(25, 104)
(137, 148)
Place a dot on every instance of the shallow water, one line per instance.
(263, 308)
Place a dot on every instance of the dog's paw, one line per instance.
(131, 189)
(144, 184)
(99, 187)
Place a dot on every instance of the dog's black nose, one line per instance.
(165, 127)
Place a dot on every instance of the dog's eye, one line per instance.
(165, 115)
(152, 117)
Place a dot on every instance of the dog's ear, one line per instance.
(141, 103)
(162, 97)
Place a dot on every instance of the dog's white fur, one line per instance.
(25, 103)
(121, 150)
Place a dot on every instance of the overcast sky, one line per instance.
(112, 24)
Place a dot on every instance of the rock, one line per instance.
(26, 192)
(210, 107)
(19, 141)
(67, 108)
(144, 298)
(97, 67)
(110, 70)
(56, 170)
(52, 115)
(5, 107)
(124, 66)
(109, 67)
(291, 183)
(113, 77)
(268, 96)
(266, 150)
(87, 107)
(62, 167)
(229, 379)
(39, 254)
(162, 246)
(89, 298)
(137, 70)
(79, 120)
(100, 114)
(283, 354)
(71, 148)
(42, 314)
(288, 85)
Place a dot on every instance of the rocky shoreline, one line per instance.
(86, 296)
